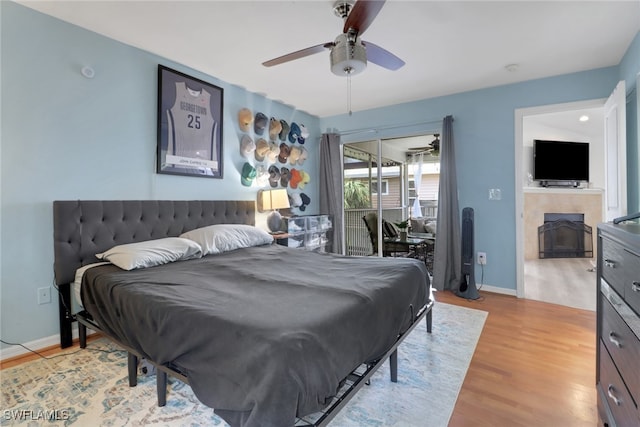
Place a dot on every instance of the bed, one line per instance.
(279, 334)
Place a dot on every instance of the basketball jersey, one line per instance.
(192, 129)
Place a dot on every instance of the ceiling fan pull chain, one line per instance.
(349, 92)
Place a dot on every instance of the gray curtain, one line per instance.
(447, 262)
(331, 185)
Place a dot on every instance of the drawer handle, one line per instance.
(612, 338)
(613, 396)
(635, 286)
(610, 263)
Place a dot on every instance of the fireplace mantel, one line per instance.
(538, 201)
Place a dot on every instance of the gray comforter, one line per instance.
(264, 334)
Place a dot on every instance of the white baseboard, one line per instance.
(37, 345)
(497, 289)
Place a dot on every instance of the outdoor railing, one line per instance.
(357, 237)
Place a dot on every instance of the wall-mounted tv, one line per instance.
(560, 162)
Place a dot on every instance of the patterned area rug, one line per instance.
(90, 387)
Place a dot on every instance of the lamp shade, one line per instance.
(273, 199)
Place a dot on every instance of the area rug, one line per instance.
(90, 387)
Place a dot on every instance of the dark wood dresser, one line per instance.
(618, 326)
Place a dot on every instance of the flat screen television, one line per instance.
(560, 161)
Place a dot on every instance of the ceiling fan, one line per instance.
(433, 148)
(349, 54)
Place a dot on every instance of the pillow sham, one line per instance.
(151, 253)
(77, 283)
(219, 238)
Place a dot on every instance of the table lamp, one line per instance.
(272, 200)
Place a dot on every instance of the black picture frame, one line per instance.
(190, 113)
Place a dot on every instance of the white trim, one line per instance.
(497, 290)
(385, 185)
(519, 115)
(37, 345)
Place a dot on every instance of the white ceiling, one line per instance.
(448, 46)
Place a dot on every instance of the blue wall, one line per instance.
(484, 132)
(68, 137)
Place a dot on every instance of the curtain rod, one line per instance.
(376, 130)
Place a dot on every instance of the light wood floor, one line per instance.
(534, 365)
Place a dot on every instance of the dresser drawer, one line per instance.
(631, 280)
(613, 265)
(623, 346)
(618, 399)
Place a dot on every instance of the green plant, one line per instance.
(356, 195)
(402, 225)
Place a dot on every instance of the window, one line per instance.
(384, 187)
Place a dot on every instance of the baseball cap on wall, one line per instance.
(248, 174)
(285, 130)
(275, 127)
(294, 132)
(304, 134)
(262, 149)
(247, 146)
(245, 118)
(260, 123)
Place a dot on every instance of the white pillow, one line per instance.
(219, 238)
(151, 252)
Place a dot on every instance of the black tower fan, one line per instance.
(467, 288)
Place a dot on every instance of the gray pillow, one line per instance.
(418, 225)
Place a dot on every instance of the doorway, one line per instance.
(561, 281)
(389, 190)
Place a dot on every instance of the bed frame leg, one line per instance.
(132, 365)
(161, 384)
(393, 365)
(65, 317)
(82, 335)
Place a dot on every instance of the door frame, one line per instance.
(519, 115)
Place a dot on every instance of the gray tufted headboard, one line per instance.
(82, 228)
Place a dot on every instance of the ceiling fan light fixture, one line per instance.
(348, 58)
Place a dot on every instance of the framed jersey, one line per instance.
(189, 125)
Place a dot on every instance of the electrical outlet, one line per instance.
(482, 258)
(44, 295)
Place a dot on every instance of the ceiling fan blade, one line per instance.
(362, 15)
(382, 57)
(298, 54)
